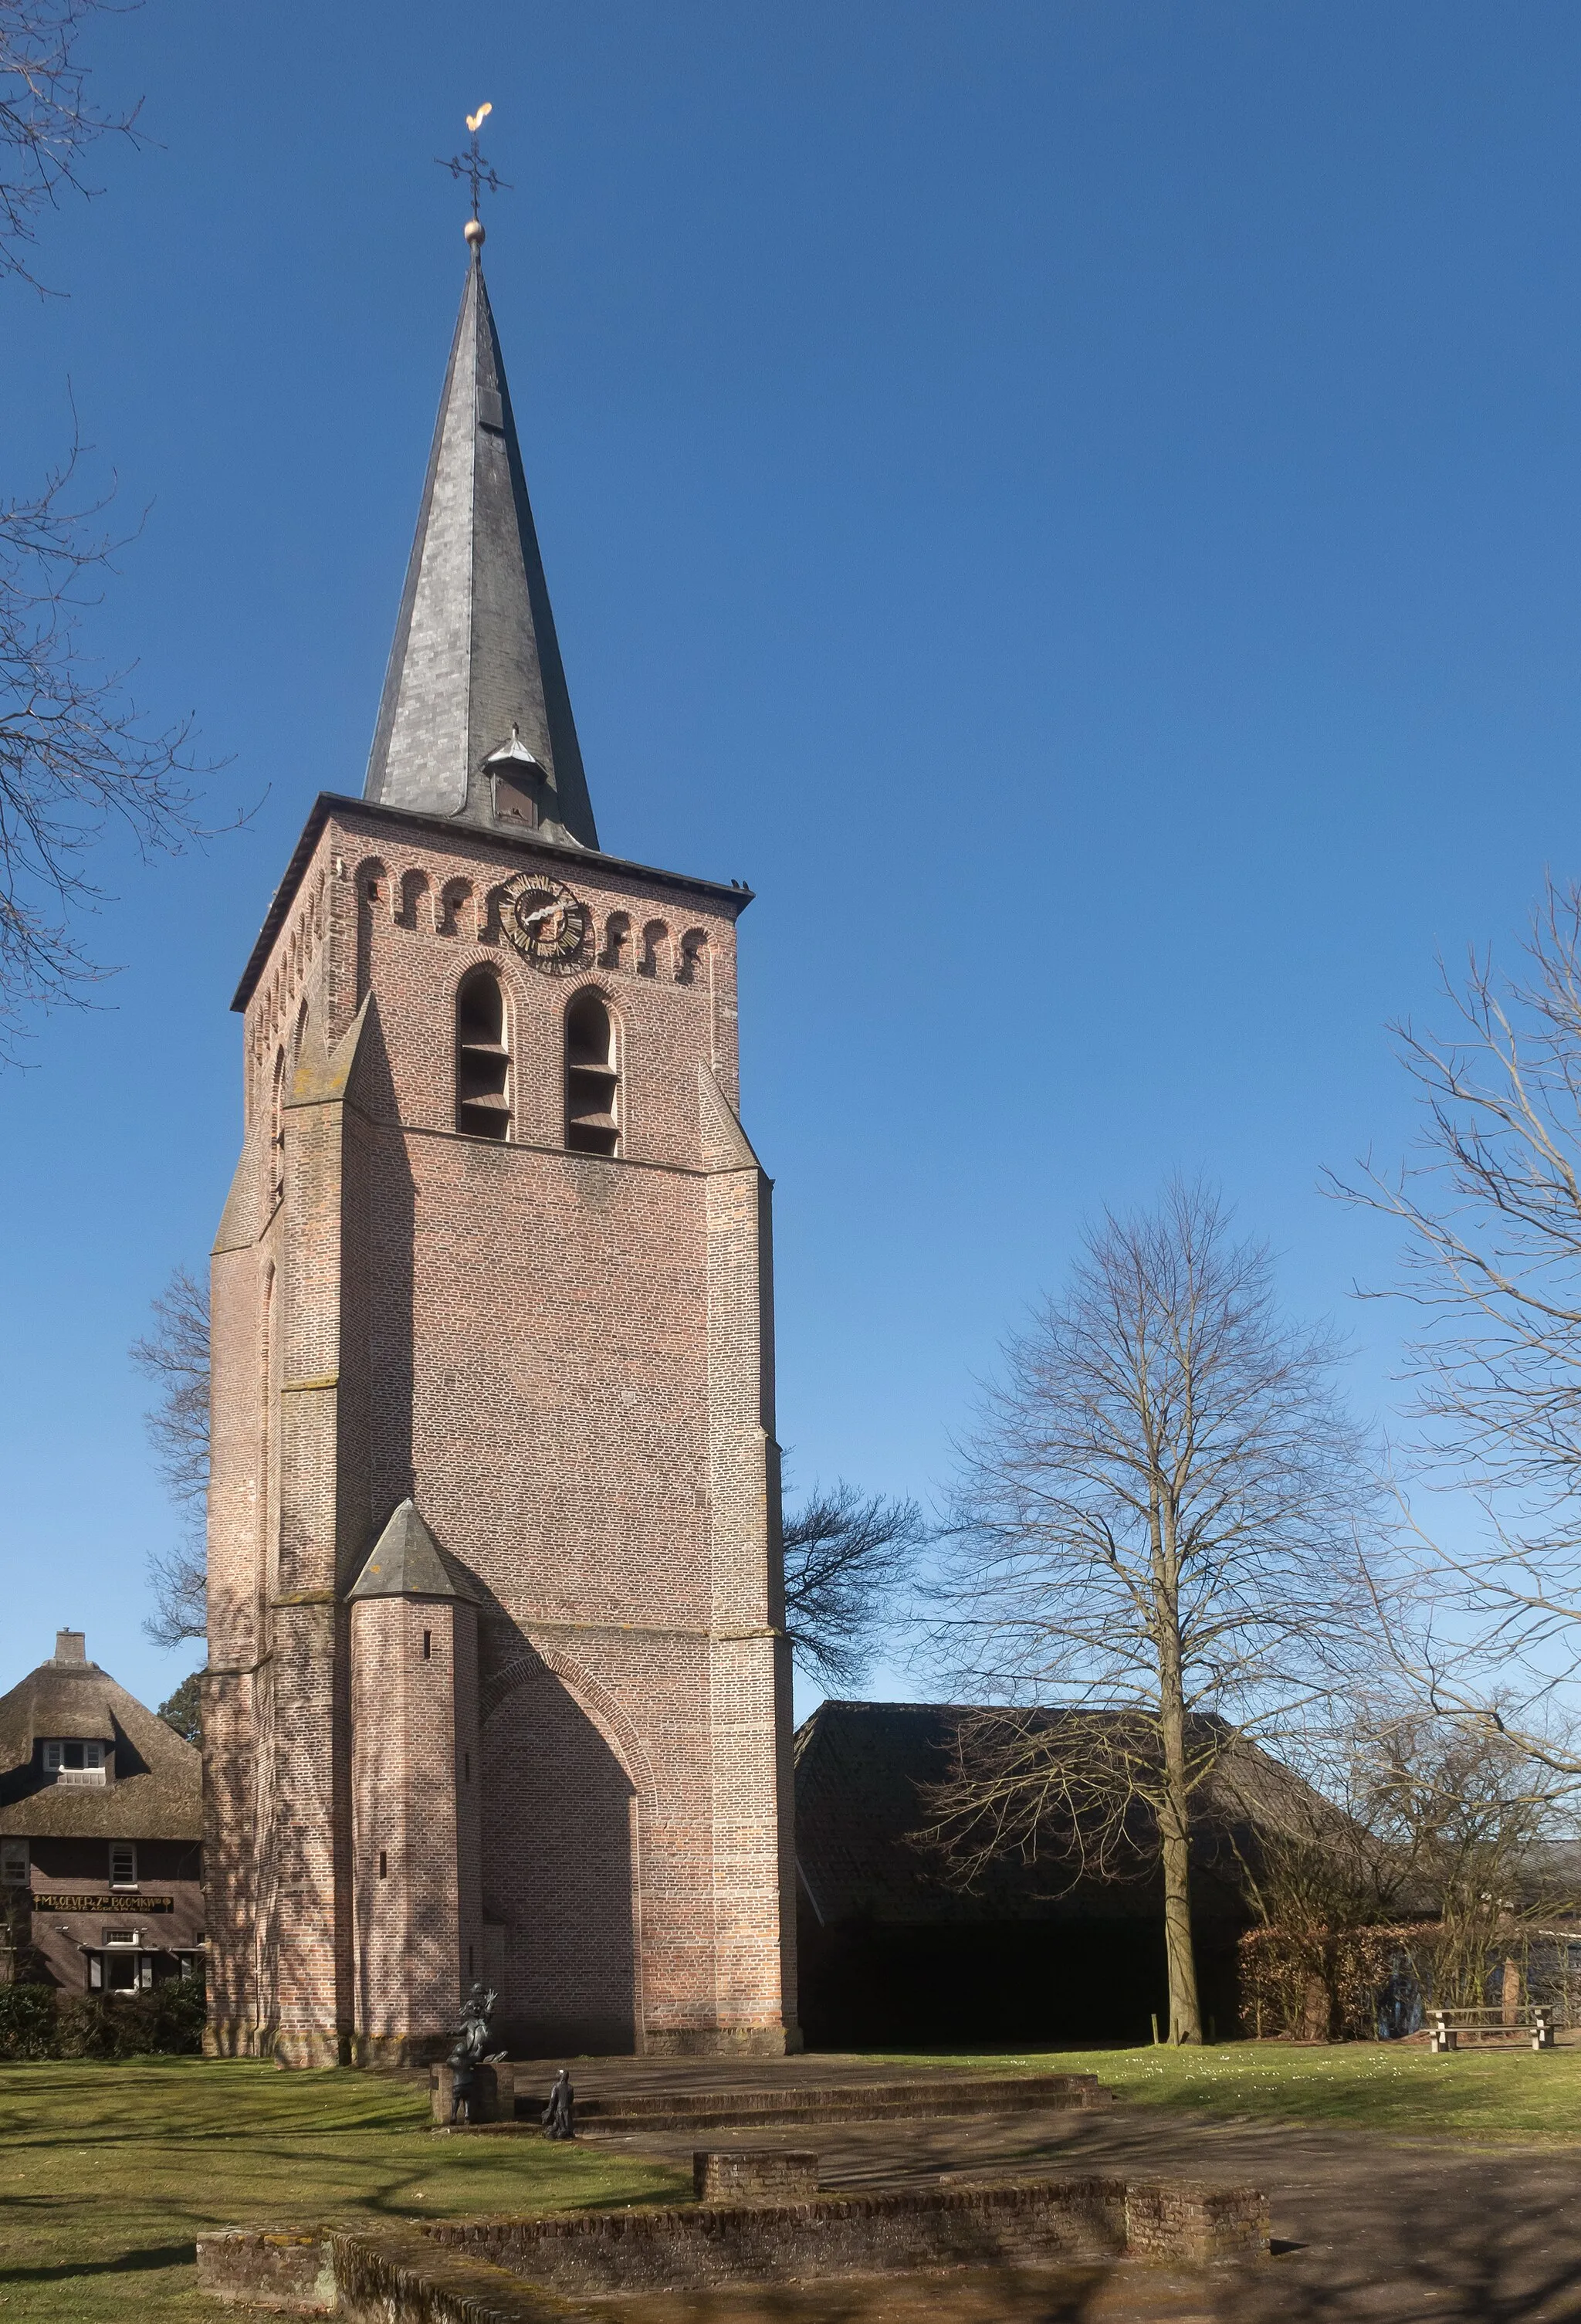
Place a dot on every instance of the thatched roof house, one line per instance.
(101, 1829)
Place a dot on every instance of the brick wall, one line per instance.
(566, 1360)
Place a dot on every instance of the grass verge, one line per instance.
(110, 2173)
(1492, 2096)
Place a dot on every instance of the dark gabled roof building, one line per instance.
(101, 1834)
(892, 1953)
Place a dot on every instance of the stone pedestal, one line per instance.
(754, 2174)
(492, 2097)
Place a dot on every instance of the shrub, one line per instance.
(29, 2022)
(1337, 1985)
(37, 2022)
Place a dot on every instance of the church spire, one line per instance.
(475, 718)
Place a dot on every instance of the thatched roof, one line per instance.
(862, 1773)
(155, 1790)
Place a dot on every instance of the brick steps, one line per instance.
(937, 2099)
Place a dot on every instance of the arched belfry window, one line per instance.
(592, 1076)
(483, 1057)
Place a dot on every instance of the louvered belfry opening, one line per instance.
(482, 1058)
(592, 1077)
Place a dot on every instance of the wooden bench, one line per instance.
(1533, 2029)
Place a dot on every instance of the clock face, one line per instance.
(545, 921)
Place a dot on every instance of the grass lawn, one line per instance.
(107, 2173)
(1493, 2097)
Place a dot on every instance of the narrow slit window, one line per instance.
(383, 1866)
(483, 1059)
(427, 1644)
(592, 1077)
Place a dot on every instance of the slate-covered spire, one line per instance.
(476, 719)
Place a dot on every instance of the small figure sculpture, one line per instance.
(471, 2050)
(557, 2115)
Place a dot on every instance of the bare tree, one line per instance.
(77, 757)
(1461, 1811)
(174, 1356)
(1489, 1203)
(1155, 1517)
(47, 124)
(845, 1554)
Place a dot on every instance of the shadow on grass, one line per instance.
(128, 2263)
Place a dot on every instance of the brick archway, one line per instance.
(561, 1847)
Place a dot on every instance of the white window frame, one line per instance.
(55, 1760)
(15, 1862)
(127, 1851)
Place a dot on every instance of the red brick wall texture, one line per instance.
(581, 1791)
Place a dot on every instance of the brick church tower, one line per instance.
(498, 1683)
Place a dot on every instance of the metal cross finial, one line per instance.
(472, 165)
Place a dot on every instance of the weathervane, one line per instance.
(472, 166)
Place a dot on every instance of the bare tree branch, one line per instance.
(78, 757)
(1490, 1205)
(1156, 1518)
(174, 1357)
(46, 122)
(845, 1555)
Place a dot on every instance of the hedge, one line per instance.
(36, 2021)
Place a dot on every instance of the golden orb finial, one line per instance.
(473, 231)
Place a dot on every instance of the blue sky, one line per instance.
(1079, 505)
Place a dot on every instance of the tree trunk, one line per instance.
(1185, 2020)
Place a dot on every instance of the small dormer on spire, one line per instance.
(476, 717)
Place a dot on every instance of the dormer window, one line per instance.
(483, 1059)
(592, 1077)
(519, 783)
(73, 1761)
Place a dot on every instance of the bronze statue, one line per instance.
(472, 2049)
(557, 2115)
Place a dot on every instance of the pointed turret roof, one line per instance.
(475, 718)
(407, 1561)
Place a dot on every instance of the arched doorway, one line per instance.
(558, 1863)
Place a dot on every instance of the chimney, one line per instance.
(70, 1646)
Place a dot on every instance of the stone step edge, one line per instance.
(634, 2125)
(788, 2098)
(920, 2110)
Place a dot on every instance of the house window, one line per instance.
(14, 1860)
(482, 1061)
(122, 1864)
(127, 1970)
(592, 1077)
(71, 1759)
